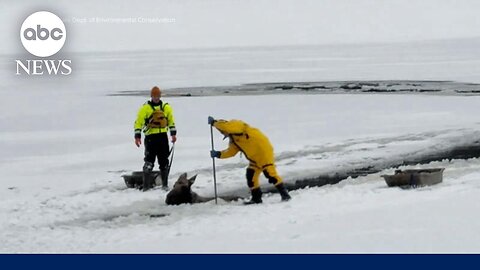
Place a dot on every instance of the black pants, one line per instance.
(157, 146)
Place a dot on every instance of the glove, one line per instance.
(215, 154)
(138, 142)
(211, 120)
(174, 138)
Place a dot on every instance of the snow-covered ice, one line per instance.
(62, 190)
(65, 144)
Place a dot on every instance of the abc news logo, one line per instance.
(43, 34)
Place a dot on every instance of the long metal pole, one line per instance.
(172, 151)
(213, 160)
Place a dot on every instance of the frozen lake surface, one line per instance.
(66, 141)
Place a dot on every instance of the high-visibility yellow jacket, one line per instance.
(249, 140)
(144, 115)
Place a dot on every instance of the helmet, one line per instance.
(155, 92)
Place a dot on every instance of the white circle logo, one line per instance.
(43, 34)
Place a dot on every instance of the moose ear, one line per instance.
(192, 180)
(183, 176)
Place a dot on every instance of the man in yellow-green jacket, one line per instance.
(155, 118)
(257, 149)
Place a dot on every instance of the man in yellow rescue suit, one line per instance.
(155, 118)
(257, 149)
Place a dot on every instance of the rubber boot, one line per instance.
(283, 192)
(256, 196)
(164, 176)
(148, 179)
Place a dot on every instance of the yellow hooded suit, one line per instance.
(254, 145)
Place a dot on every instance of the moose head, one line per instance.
(182, 191)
